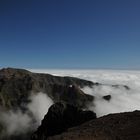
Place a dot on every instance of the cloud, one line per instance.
(39, 105)
(122, 99)
(15, 122)
(19, 122)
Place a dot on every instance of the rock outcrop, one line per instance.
(59, 118)
(120, 126)
(107, 97)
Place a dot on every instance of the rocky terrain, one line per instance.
(66, 122)
(120, 126)
(67, 119)
(17, 84)
(59, 118)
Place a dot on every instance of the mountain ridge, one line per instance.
(20, 83)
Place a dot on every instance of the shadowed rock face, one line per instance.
(121, 126)
(59, 118)
(17, 84)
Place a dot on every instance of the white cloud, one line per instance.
(18, 122)
(39, 105)
(15, 122)
(122, 99)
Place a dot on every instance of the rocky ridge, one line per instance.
(16, 85)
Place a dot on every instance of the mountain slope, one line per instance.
(17, 84)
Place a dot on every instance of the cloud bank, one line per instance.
(121, 99)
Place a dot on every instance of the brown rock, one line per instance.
(120, 126)
(59, 118)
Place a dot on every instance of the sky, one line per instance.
(70, 34)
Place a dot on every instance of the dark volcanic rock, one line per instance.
(107, 97)
(71, 94)
(124, 86)
(121, 126)
(17, 84)
(59, 118)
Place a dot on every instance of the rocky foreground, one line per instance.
(120, 126)
(67, 118)
(59, 118)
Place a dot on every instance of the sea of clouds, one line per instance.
(122, 99)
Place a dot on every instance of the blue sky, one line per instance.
(101, 34)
